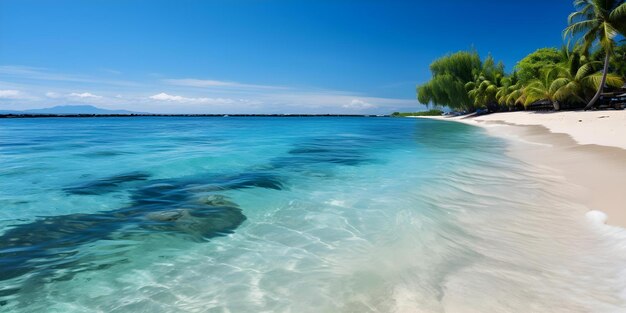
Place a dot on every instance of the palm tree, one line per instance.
(597, 21)
(579, 78)
(619, 59)
(483, 90)
(517, 96)
(543, 88)
(510, 91)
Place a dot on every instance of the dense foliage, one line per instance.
(571, 77)
(533, 64)
(450, 75)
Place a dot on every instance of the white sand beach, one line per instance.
(587, 148)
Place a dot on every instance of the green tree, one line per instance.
(531, 66)
(597, 22)
(449, 76)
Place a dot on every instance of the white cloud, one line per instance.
(165, 97)
(84, 95)
(173, 98)
(47, 75)
(329, 101)
(11, 94)
(185, 95)
(358, 105)
(207, 83)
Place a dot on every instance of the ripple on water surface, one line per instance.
(301, 215)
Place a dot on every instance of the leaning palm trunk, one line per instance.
(603, 81)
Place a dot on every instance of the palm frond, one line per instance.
(586, 70)
(614, 81)
(580, 27)
(619, 12)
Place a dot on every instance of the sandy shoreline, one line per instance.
(588, 149)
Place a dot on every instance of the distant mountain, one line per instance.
(10, 112)
(71, 109)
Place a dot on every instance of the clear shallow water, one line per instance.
(289, 215)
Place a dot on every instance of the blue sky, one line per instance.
(263, 56)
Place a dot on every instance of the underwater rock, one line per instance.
(218, 200)
(187, 207)
(314, 154)
(167, 216)
(306, 150)
(337, 150)
(251, 180)
(107, 184)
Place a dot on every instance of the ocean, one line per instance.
(292, 214)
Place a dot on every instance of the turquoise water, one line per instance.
(289, 215)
